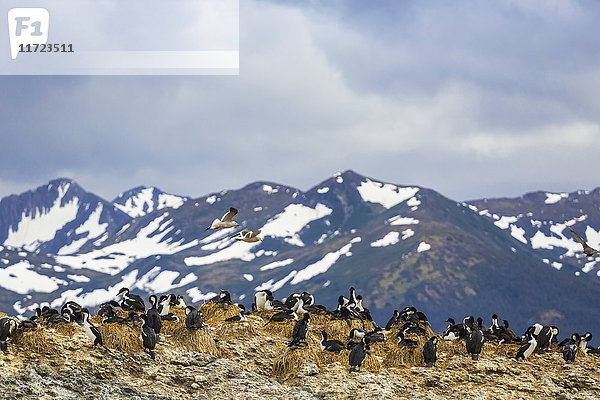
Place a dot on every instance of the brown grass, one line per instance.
(237, 330)
(67, 329)
(121, 337)
(198, 340)
(36, 340)
(214, 314)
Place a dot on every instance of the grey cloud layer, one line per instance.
(466, 99)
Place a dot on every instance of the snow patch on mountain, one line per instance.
(323, 264)
(290, 222)
(274, 286)
(91, 226)
(40, 225)
(388, 240)
(423, 246)
(277, 264)
(323, 190)
(553, 198)
(400, 220)
(270, 189)
(238, 250)
(387, 195)
(21, 278)
(114, 258)
(148, 200)
(505, 221)
(196, 295)
(407, 233)
(157, 281)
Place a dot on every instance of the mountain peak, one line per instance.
(141, 200)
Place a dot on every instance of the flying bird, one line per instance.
(587, 250)
(247, 236)
(226, 220)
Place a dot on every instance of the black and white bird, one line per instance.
(74, 309)
(180, 301)
(583, 342)
(282, 316)
(149, 337)
(332, 345)
(569, 349)
(164, 307)
(587, 250)
(260, 299)
(474, 339)
(153, 316)
(131, 301)
(300, 331)
(430, 351)
(454, 331)
(528, 347)
(91, 330)
(543, 336)
(193, 318)
(356, 334)
(7, 328)
(357, 354)
(403, 342)
(392, 320)
(241, 317)
(226, 220)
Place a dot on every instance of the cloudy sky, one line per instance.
(472, 99)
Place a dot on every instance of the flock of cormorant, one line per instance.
(299, 307)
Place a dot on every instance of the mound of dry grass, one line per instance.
(199, 340)
(215, 314)
(121, 337)
(236, 330)
(37, 340)
(66, 329)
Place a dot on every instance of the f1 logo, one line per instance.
(27, 26)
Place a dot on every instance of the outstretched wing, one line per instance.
(229, 215)
(255, 233)
(240, 234)
(579, 239)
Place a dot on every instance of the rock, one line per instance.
(308, 368)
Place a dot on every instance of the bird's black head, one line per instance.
(189, 309)
(306, 316)
(124, 290)
(494, 316)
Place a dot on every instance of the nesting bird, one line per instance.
(430, 351)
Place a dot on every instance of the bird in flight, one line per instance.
(226, 220)
(247, 236)
(587, 250)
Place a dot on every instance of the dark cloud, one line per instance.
(467, 99)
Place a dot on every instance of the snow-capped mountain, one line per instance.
(57, 218)
(540, 220)
(398, 245)
(143, 200)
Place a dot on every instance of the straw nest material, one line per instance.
(66, 329)
(236, 330)
(168, 327)
(287, 365)
(35, 340)
(121, 337)
(215, 313)
(198, 340)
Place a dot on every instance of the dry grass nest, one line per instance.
(199, 340)
(215, 313)
(35, 340)
(289, 362)
(237, 330)
(121, 337)
(168, 327)
(66, 329)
